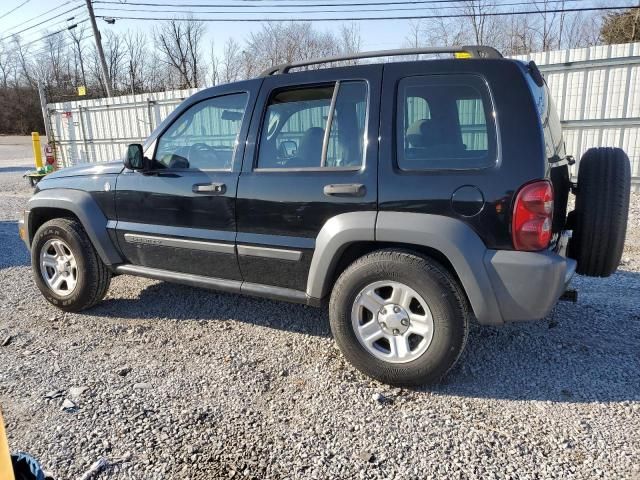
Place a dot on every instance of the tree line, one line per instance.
(177, 55)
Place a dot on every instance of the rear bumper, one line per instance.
(527, 285)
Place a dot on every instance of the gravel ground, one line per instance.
(174, 382)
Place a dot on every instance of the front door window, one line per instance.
(204, 137)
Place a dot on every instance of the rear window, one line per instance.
(445, 123)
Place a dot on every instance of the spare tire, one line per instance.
(602, 206)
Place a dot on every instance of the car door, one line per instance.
(179, 214)
(311, 155)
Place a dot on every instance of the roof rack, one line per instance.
(475, 51)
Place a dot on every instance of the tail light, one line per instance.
(532, 216)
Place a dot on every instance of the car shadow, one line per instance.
(580, 353)
(182, 302)
(13, 252)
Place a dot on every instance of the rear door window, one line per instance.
(317, 127)
(445, 123)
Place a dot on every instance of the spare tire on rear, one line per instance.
(602, 206)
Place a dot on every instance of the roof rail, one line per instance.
(475, 51)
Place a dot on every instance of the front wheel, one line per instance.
(399, 317)
(66, 266)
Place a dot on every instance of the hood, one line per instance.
(89, 169)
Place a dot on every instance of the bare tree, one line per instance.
(278, 43)
(114, 52)
(350, 39)
(156, 74)
(52, 66)
(482, 25)
(231, 63)
(581, 30)
(519, 36)
(8, 65)
(415, 36)
(77, 35)
(23, 62)
(215, 65)
(179, 43)
(547, 30)
(135, 44)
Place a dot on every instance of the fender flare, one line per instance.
(335, 236)
(455, 240)
(451, 237)
(83, 206)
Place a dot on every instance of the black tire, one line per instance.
(602, 206)
(440, 290)
(93, 276)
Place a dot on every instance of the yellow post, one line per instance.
(37, 150)
(6, 469)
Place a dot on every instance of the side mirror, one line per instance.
(134, 158)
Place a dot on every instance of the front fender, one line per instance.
(85, 208)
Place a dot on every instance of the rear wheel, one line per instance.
(599, 221)
(399, 317)
(66, 267)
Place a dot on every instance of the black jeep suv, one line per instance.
(413, 196)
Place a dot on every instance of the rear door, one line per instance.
(180, 214)
(311, 155)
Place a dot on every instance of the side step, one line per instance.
(221, 284)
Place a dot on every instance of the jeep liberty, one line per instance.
(411, 196)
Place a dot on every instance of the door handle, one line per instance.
(345, 189)
(211, 188)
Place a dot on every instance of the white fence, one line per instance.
(99, 130)
(596, 91)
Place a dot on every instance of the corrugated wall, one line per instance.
(596, 91)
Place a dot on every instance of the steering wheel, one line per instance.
(202, 154)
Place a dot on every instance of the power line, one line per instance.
(70, 27)
(14, 9)
(310, 4)
(392, 9)
(41, 23)
(403, 17)
(37, 34)
(40, 15)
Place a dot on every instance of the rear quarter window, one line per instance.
(551, 127)
(445, 123)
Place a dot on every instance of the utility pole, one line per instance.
(96, 35)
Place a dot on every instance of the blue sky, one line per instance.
(374, 34)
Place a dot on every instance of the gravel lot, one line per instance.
(175, 382)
